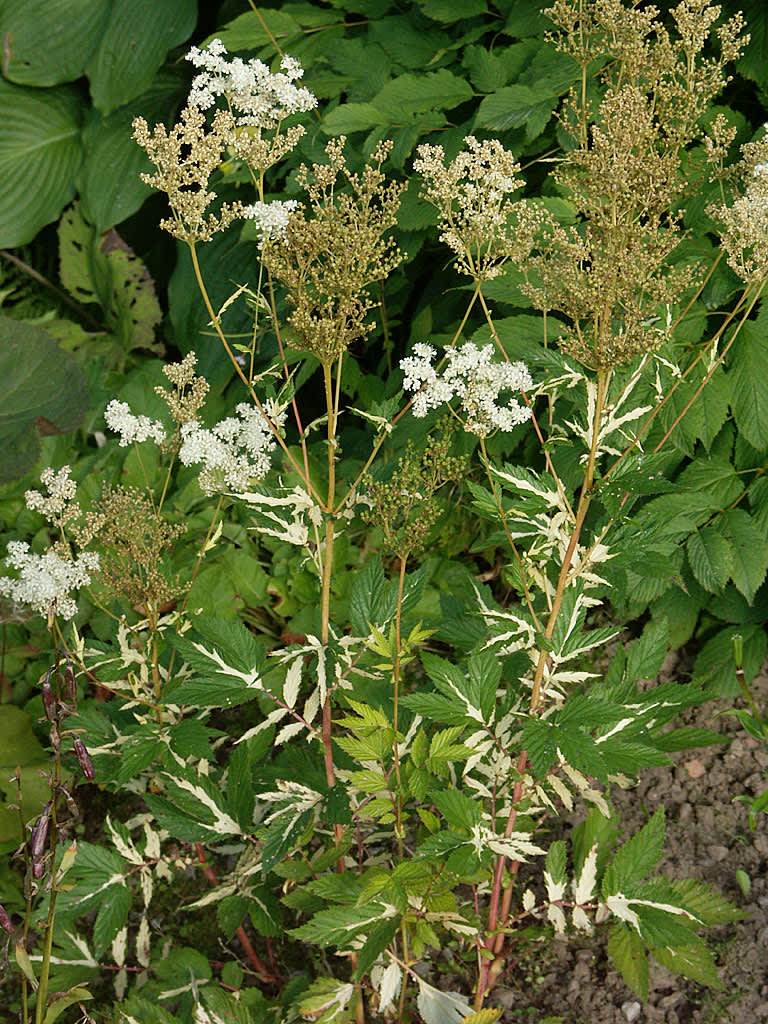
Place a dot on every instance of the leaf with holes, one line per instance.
(42, 392)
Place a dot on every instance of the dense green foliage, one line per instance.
(359, 692)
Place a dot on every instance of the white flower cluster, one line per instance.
(474, 379)
(59, 504)
(45, 579)
(261, 99)
(121, 420)
(271, 219)
(232, 453)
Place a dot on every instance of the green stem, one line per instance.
(513, 546)
(325, 590)
(239, 371)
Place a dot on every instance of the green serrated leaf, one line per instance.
(749, 399)
(750, 551)
(412, 94)
(711, 558)
(637, 857)
(626, 949)
(694, 962)
(113, 913)
(459, 811)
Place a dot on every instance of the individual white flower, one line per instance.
(121, 420)
(233, 452)
(48, 578)
(59, 504)
(473, 378)
(260, 98)
(271, 219)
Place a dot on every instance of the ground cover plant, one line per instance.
(323, 608)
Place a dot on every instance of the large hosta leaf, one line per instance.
(109, 198)
(40, 154)
(134, 44)
(47, 42)
(42, 391)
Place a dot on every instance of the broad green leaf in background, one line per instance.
(225, 264)
(109, 182)
(412, 94)
(754, 61)
(42, 390)
(103, 269)
(453, 10)
(251, 30)
(749, 382)
(40, 154)
(353, 117)
(47, 42)
(18, 746)
(133, 45)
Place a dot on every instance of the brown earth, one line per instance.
(708, 837)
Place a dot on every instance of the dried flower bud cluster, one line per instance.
(612, 274)
(473, 378)
(186, 157)
(478, 221)
(134, 540)
(328, 260)
(405, 507)
(189, 391)
(233, 453)
(745, 221)
(259, 98)
(46, 581)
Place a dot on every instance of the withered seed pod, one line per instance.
(39, 836)
(5, 921)
(49, 701)
(84, 760)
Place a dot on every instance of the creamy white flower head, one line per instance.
(473, 378)
(232, 453)
(261, 99)
(121, 420)
(271, 219)
(59, 504)
(45, 579)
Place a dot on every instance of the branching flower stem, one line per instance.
(536, 427)
(238, 369)
(404, 410)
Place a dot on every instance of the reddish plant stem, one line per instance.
(259, 967)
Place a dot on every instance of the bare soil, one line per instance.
(708, 837)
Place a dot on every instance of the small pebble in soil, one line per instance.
(631, 1010)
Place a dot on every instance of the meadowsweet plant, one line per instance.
(377, 796)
